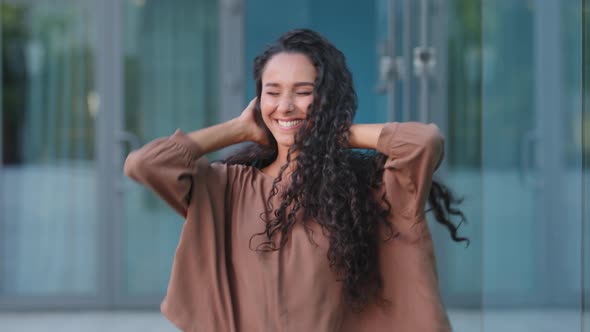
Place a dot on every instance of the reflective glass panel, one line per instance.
(48, 194)
(170, 81)
(531, 160)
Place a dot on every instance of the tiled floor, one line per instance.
(463, 321)
(85, 322)
(519, 321)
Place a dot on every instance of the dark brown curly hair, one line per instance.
(331, 183)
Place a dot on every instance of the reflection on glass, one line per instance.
(171, 73)
(460, 267)
(531, 154)
(47, 174)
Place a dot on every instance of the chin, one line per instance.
(286, 144)
(284, 140)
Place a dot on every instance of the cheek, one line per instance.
(304, 103)
(265, 112)
(265, 108)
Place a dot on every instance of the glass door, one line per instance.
(531, 155)
(49, 167)
(430, 71)
(83, 82)
(502, 80)
(169, 53)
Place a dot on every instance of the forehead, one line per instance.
(288, 68)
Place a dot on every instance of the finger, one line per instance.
(252, 102)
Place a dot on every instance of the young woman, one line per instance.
(299, 231)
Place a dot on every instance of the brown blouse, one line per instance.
(219, 284)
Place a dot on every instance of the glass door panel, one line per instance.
(455, 105)
(433, 66)
(170, 81)
(531, 154)
(48, 176)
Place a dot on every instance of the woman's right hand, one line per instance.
(252, 130)
(240, 129)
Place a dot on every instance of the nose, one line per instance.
(286, 104)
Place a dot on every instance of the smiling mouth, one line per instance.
(289, 124)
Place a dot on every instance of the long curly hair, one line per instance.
(332, 184)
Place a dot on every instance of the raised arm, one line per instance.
(365, 136)
(415, 151)
(168, 165)
(237, 130)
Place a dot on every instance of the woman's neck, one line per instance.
(275, 167)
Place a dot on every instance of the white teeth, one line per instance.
(289, 124)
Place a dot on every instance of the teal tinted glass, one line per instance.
(349, 24)
(171, 78)
(48, 176)
(460, 268)
(531, 160)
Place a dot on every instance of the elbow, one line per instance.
(436, 144)
(133, 166)
(435, 137)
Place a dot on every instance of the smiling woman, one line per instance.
(287, 91)
(299, 231)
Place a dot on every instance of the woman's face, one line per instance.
(287, 91)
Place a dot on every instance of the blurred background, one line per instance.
(82, 248)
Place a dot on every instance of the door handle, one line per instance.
(528, 141)
(424, 61)
(133, 142)
(390, 68)
(131, 139)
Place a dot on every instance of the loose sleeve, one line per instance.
(414, 150)
(167, 166)
(407, 262)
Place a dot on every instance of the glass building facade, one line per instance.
(85, 81)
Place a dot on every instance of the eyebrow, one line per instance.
(272, 84)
